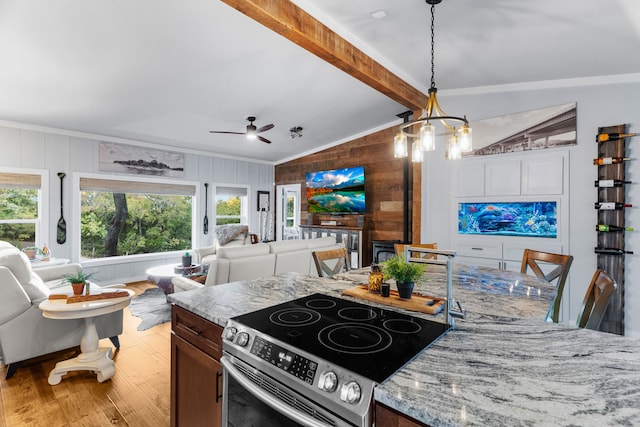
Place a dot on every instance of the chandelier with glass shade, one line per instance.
(456, 128)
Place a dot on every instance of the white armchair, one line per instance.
(24, 332)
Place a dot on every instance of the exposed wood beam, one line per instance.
(288, 20)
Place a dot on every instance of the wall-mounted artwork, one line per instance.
(139, 160)
(530, 130)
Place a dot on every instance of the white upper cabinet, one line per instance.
(502, 178)
(470, 181)
(543, 175)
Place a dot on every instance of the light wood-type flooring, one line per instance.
(136, 396)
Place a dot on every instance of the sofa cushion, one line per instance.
(204, 252)
(282, 246)
(321, 242)
(252, 267)
(243, 251)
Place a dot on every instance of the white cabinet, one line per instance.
(501, 253)
(543, 175)
(502, 178)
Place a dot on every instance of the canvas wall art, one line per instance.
(529, 130)
(141, 161)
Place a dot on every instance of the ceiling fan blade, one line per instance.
(264, 139)
(221, 131)
(264, 128)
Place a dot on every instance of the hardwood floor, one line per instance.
(137, 395)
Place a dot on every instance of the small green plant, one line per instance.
(79, 277)
(400, 270)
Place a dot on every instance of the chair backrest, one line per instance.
(535, 260)
(331, 262)
(596, 300)
(400, 248)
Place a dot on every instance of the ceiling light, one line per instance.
(378, 14)
(295, 132)
(460, 139)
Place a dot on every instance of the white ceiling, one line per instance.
(165, 72)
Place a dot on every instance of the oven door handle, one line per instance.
(268, 399)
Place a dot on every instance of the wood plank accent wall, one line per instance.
(383, 183)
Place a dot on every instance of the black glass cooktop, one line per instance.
(369, 341)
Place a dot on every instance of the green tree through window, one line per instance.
(117, 224)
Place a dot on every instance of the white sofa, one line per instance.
(24, 332)
(247, 262)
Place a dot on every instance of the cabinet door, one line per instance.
(196, 386)
(482, 262)
(503, 178)
(544, 175)
(470, 180)
(387, 417)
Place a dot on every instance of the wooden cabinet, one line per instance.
(196, 374)
(350, 236)
(387, 417)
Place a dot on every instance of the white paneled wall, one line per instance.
(31, 147)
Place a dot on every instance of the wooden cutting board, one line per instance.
(91, 297)
(418, 302)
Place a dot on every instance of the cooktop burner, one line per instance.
(370, 341)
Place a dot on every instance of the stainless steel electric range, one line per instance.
(315, 361)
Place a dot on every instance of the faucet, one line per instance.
(452, 308)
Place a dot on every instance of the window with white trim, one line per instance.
(20, 207)
(231, 204)
(121, 218)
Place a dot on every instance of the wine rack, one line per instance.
(613, 321)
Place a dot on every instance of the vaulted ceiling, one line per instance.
(166, 72)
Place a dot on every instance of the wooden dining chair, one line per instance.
(331, 262)
(560, 264)
(596, 300)
(400, 248)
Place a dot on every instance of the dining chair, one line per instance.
(596, 300)
(331, 262)
(536, 261)
(400, 249)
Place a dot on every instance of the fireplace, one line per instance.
(383, 250)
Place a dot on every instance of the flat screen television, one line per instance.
(530, 219)
(336, 191)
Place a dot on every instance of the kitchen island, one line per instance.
(502, 365)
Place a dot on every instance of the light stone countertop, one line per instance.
(501, 366)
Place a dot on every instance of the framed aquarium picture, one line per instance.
(529, 219)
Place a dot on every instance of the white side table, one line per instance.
(91, 357)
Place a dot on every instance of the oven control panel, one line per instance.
(298, 366)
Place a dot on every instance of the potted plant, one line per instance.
(32, 252)
(404, 273)
(78, 281)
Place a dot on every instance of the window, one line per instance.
(20, 201)
(231, 205)
(120, 218)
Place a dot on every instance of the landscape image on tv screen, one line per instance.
(532, 219)
(336, 191)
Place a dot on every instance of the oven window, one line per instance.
(245, 410)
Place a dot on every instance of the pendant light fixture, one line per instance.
(459, 138)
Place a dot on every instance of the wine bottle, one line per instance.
(612, 206)
(611, 228)
(611, 183)
(603, 137)
(610, 160)
(612, 251)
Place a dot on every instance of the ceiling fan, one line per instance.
(251, 132)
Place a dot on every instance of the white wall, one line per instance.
(600, 102)
(25, 146)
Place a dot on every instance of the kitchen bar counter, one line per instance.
(502, 365)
